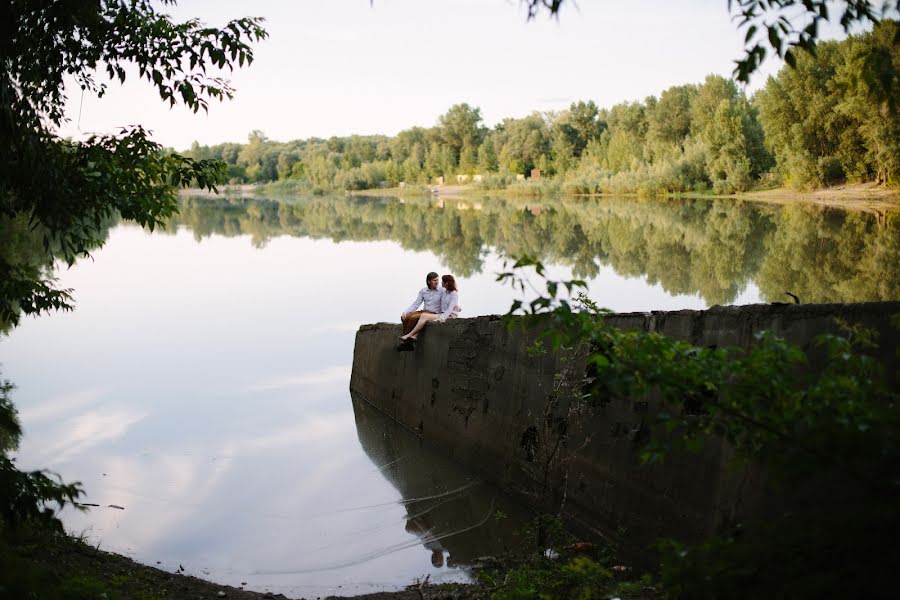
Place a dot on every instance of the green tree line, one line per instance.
(820, 123)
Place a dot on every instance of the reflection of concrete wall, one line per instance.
(446, 506)
(471, 389)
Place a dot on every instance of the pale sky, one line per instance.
(340, 67)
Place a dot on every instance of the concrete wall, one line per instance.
(472, 390)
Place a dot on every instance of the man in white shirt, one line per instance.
(429, 298)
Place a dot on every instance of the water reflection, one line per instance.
(454, 515)
(712, 248)
(203, 386)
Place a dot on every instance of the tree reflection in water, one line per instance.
(713, 248)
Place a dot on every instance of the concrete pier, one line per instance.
(472, 390)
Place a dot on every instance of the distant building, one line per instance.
(439, 180)
(535, 174)
(402, 184)
(520, 177)
(477, 178)
(462, 178)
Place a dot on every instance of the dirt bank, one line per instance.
(62, 567)
(857, 196)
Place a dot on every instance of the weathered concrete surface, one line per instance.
(472, 390)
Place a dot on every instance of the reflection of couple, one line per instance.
(438, 304)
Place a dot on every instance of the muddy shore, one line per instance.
(66, 567)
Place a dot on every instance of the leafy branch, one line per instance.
(829, 428)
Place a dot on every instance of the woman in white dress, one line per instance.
(449, 309)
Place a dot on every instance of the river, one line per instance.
(199, 391)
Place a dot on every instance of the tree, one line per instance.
(65, 189)
(259, 157)
(468, 160)
(459, 127)
(827, 120)
(586, 125)
(521, 142)
(627, 133)
(873, 103)
(705, 102)
(487, 156)
(562, 150)
(727, 164)
(670, 121)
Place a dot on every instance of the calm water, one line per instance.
(202, 382)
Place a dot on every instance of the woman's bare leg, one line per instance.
(423, 321)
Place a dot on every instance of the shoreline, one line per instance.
(857, 196)
(75, 567)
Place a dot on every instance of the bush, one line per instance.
(828, 441)
(494, 181)
(27, 498)
(529, 187)
(284, 186)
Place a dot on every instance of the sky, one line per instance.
(342, 67)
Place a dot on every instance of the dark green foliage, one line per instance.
(832, 117)
(27, 498)
(792, 25)
(578, 578)
(10, 429)
(23, 577)
(826, 437)
(66, 190)
(35, 564)
(34, 497)
(557, 566)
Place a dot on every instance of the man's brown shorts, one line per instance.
(412, 318)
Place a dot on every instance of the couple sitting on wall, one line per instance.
(438, 304)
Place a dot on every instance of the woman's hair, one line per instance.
(448, 279)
